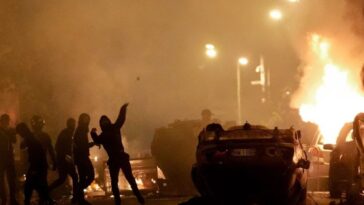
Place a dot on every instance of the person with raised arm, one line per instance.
(110, 139)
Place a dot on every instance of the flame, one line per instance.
(336, 101)
(140, 183)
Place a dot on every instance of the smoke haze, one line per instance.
(68, 57)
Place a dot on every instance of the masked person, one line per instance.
(37, 123)
(81, 155)
(36, 177)
(65, 164)
(110, 139)
(7, 164)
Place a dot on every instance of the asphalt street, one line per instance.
(319, 198)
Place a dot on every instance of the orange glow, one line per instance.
(336, 100)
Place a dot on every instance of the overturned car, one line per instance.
(250, 165)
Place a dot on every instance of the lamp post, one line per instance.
(243, 61)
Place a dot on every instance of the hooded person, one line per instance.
(81, 155)
(65, 162)
(36, 177)
(110, 139)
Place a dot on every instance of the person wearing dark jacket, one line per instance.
(36, 177)
(110, 139)
(81, 155)
(65, 162)
(37, 123)
(7, 164)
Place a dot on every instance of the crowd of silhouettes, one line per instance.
(70, 157)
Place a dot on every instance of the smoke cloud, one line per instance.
(341, 23)
(68, 57)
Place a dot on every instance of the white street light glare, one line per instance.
(243, 61)
(211, 53)
(210, 50)
(276, 14)
(209, 46)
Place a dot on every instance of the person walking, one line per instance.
(65, 164)
(81, 155)
(7, 164)
(37, 123)
(36, 177)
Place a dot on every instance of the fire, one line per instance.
(336, 100)
(139, 181)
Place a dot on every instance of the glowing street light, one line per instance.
(293, 1)
(243, 61)
(209, 46)
(210, 51)
(276, 14)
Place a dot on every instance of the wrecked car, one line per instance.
(250, 165)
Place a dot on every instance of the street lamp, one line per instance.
(242, 61)
(276, 14)
(210, 51)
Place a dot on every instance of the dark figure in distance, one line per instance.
(65, 164)
(36, 177)
(7, 164)
(38, 123)
(81, 155)
(110, 139)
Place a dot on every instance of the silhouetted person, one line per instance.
(206, 118)
(36, 177)
(7, 164)
(65, 164)
(81, 154)
(110, 139)
(38, 123)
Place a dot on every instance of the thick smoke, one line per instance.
(341, 22)
(68, 57)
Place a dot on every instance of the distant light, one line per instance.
(209, 46)
(276, 14)
(210, 50)
(243, 61)
(293, 1)
(211, 53)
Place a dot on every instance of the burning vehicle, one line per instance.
(250, 165)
